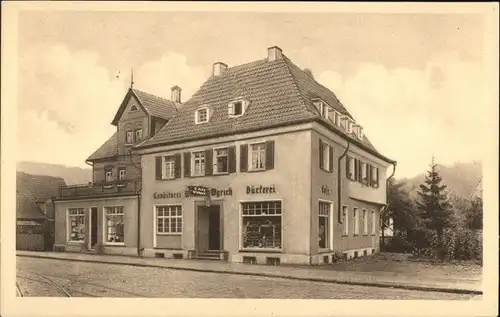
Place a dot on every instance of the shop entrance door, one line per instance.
(93, 227)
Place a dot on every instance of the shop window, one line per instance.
(76, 219)
(324, 225)
(345, 221)
(198, 163)
(221, 161)
(169, 219)
(114, 224)
(261, 225)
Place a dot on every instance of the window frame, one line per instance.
(250, 160)
(240, 235)
(326, 156)
(193, 163)
(329, 238)
(365, 222)
(170, 217)
(196, 115)
(355, 214)
(133, 108)
(364, 173)
(352, 168)
(106, 171)
(120, 170)
(105, 224)
(136, 139)
(374, 222)
(69, 228)
(345, 222)
(374, 181)
(164, 161)
(131, 133)
(231, 107)
(214, 160)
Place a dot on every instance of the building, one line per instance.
(102, 216)
(261, 165)
(35, 211)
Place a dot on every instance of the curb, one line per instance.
(269, 275)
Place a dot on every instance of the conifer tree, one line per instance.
(434, 207)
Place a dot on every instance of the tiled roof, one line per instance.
(151, 104)
(32, 189)
(279, 93)
(108, 149)
(156, 106)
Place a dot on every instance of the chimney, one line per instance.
(219, 68)
(274, 53)
(176, 94)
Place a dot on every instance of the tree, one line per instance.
(474, 214)
(434, 207)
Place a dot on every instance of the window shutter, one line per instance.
(209, 162)
(321, 154)
(330, 152)
(230, 109)
(243, 157)
(177, 165)
(231, 157)
(187, 164)
(347, 161)
(269, 155)
(158, 167)
(356, 169)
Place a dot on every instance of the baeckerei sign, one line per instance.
(259, 189)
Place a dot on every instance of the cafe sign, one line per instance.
(195, 191)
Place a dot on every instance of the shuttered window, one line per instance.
(168, 166)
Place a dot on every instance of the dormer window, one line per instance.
(202, 115)
(349, 125)
(359, 131)
(322, 108)
(237, 108)
(133, 108)
(335, 117)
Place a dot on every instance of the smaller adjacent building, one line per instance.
(35, 211)
(102, 216)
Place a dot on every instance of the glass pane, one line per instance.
(262, 232)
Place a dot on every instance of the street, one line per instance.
(48, 277)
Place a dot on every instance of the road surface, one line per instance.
(48, 277)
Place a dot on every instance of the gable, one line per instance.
(129, 112)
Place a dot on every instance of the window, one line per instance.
(359, 132)
(221, 161)
(326, 156)
(365, 222)
(258, 156)
(351, 168)
(138, 135)
(261, 225)
(336, 118)
(114, 224)
(108, 175)
(169, 170)
(345, 220)
(324, 225)
(237, 108)
(349, 124)
(76, 219)
(364, 174)
(201, 115)
(133, 108)
(374, 222)
(356, 220)
(169, 219)
(130, 137)
(122, 174)
(374, 176)
(198, 163)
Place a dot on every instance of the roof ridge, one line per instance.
(150, 94)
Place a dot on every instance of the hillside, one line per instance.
(461, 179)
(71, 175)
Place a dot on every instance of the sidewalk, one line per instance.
(466, 285)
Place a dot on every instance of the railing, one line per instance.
(115, 188)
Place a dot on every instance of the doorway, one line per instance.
(93, 227)
(209, 228)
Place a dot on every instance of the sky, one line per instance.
(414, 82)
